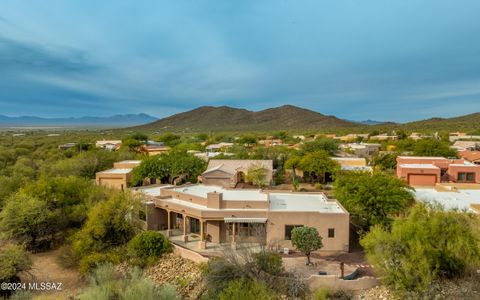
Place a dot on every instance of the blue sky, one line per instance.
(383, 60)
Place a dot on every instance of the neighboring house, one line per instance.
(361, 149)
(428, 171)
(466, 145)
(151, 150)
(383, 137)
(471, 156)
(218, 215)
(461, 199)
(418, 136)
(455, 136)
(111, 145)
(119, 176)
(351, 137)
(270, 142)
(353, 164)
(67, 146)
(230, 172)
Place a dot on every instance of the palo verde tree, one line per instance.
(433, 147)
(372, 199)
(257, 175)
(316, 165)
(306, 240)
(169, 166)
(430, 244)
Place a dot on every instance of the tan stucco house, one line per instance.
(230, 172)
(221, 215)
(119, 176)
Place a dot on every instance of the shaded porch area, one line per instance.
(210, 234)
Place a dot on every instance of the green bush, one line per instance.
(149, 245)
(243, 289)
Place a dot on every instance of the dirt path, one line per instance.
(46, 269)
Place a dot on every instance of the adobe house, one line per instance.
(353, 164)
(119, 176)
(230, 172)
(428, 171)
(111, 145)
(219, 215)
(471, 156)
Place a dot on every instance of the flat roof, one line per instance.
(116, 171)
(422, 157)
(460, 199)
(201, 190)
(418, 166)
(151, 190)
(129, 161)
(356, 168)
(303, 202)
(349, 158)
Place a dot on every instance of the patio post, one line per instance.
(169, 225)
(185, 236)
(203, 242)
(234, 243)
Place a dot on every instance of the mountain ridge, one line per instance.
(124, 120)
(226, 118)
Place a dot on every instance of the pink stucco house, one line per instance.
(428, 171)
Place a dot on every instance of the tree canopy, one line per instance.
(169, 166)
(316, 164)
(429, 244)
(306, 240)
(372, 198)
(433, 147)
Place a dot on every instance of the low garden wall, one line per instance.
(189, 254)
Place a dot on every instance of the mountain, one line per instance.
(369, 122)
(466, 123)
(225, 118)
(111, 121)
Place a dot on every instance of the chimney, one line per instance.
(214, 200)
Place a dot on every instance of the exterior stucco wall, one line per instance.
(322, 222)
(116, 181)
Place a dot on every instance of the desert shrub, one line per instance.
(105, 283)
(108, 226)
(243, 289)
(93, 260)
(13, 259)
(66, 257)
(269, 262)
(149, 245)
(428, 245)
(320, 294)
(264, 267)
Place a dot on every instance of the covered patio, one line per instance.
(211, 234)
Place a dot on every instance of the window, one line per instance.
(470, 177)
(466, 177)
(288, 231)
(331, 232)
